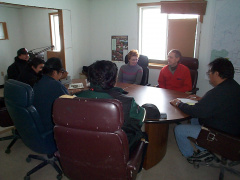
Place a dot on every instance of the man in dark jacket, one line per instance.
(21, 61)
(218, 109)
(32, 72)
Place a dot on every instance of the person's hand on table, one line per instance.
(175, 102)
(194, 97)
(74, 91)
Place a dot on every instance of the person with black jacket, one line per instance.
(21, 61)
(32, 72)
(217, 109)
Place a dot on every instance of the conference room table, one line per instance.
(157, 130)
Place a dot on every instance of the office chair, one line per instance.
(6, 121)
(192, 64)
(225, 149)
(143, 62)
(18, 99)
(90, 141)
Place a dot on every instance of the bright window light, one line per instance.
(55, 32)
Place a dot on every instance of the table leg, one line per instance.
(157, 147)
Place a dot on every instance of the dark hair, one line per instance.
(103, 73)
(35, 62)
(223, 66)
(53, 64)
(177, 53)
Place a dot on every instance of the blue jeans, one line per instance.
(183, 131)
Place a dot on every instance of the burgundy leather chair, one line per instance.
(90, 141)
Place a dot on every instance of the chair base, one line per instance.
(50, 159)
(222, 164)
(14, 138)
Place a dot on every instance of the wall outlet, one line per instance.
(2, 73)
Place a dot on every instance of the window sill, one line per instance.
(155, 66)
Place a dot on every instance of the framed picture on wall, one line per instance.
(119, 44)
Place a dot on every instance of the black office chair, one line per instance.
(143, 62)
(192, 64)
(18, 99)
(225, 149)
(6, 121)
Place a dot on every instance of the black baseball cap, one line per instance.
(55, 64)
(22, 51)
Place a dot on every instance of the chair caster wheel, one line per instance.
(59, 176)
(27, 178)
(28, 159)
(7, 151)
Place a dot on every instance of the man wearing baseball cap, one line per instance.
(21, 61)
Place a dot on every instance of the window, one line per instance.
(54, 30)
(3, 31)
(161, 32)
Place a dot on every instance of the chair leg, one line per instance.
(50, 159)
(15, 137)
(8, 150)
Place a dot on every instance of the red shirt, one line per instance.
(180, 80)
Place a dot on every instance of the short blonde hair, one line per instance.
(133, 52)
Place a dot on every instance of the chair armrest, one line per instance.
(193, 91)
(192, 140)
(136, 157)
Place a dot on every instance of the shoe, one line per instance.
(202, 156)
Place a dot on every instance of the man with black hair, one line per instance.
(32, 72)
(48, 89)
(217, 109)
(102, 76)
(21, 61)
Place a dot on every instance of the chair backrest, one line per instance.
(143, 62)
(192, 64)
(18, 99)
(90, 141)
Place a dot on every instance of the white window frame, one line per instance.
(197, 36)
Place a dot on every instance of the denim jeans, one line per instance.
(183, 131)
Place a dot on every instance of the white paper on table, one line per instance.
(187, 101)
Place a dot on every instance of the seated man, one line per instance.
(48, 89)
(131, 72)
(21, 61)
(175, 76)
(32, 72)
(102, 76)
(218, 109)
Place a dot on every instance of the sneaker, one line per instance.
(202, 156)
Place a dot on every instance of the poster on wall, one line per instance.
(119, 44)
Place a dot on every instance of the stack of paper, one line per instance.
(187, 101)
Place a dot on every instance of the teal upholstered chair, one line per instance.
(18, 99)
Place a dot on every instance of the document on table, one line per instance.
(187, 101)
(76, 86)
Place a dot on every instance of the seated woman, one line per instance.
(102, 76)
(131, 73)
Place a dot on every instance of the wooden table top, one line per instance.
(158, 96)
